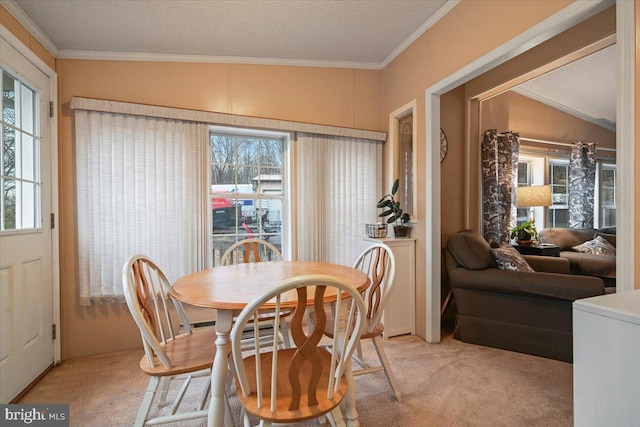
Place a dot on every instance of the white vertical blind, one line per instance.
(142, 187)
(339, 184)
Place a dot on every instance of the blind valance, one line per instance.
(119, 107)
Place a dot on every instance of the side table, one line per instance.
(544, 250)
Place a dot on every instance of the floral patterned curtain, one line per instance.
(582, 182)
(499, 173)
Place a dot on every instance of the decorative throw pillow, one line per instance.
(508, 258)
(597, 246)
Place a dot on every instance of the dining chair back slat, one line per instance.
(286, 385)
(259, 250)
(169, 355)
(250, 250)
(376, 261)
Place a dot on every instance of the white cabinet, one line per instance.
(399, 316)
(606, 371)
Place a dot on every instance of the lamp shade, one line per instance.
(536, 195)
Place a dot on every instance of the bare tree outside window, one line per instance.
(19, 156)
(8, 154)
(247, 190)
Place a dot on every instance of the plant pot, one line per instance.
(528, 242)
(401, 230)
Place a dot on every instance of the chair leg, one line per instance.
(359, 350)
(228, 419)
(166, 382)
(336, 415)
(377, 343)
(145, 406)
(284, 330)
(205, 394)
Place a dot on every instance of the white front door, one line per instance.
(26, 280)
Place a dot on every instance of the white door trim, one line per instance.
(555, 24)
(53, 137)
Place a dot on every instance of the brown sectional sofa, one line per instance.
(527, 312)
(602, 266)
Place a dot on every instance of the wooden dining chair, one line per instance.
(258, 250)
(288, 385)
(378, 262)
(250, 250)
(168, 355)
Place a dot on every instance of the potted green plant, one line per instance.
(394, 212)
(524, 233)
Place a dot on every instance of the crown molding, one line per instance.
(167, 57)
(31, 26)
(444, 9)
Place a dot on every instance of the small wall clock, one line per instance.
(444, 145)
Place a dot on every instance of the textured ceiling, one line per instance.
(583, 87)
(360, 31)
(344, 33)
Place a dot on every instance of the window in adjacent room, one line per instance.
(608, 195)
(559, 180)
(248, 189)
(524, 180)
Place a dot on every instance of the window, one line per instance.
(247, 188)
(559, 180)
(19, 156)
(608, 195)
(524, 180)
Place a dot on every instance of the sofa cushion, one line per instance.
(611, 238)
(508, 258)
(597, 246)
(470, 250)
(566, 238)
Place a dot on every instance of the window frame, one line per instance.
(18, 177)
(604, 165)
(544, 176)
(286, 197)
(557, 162)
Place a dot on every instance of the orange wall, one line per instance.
(453, 199)
(26, 38)
(340, 97)
(458, 39)
(532, 119)
(357, 98)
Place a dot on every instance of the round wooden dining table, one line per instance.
(228, 289)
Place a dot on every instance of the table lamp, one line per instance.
(535, 195)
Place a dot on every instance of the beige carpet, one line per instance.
(446, 384)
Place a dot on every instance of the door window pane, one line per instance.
(19, 157)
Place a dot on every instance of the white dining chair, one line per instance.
(250, 250)
(168, 355)
(258, 250)
(378, 262)
(289, 385)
